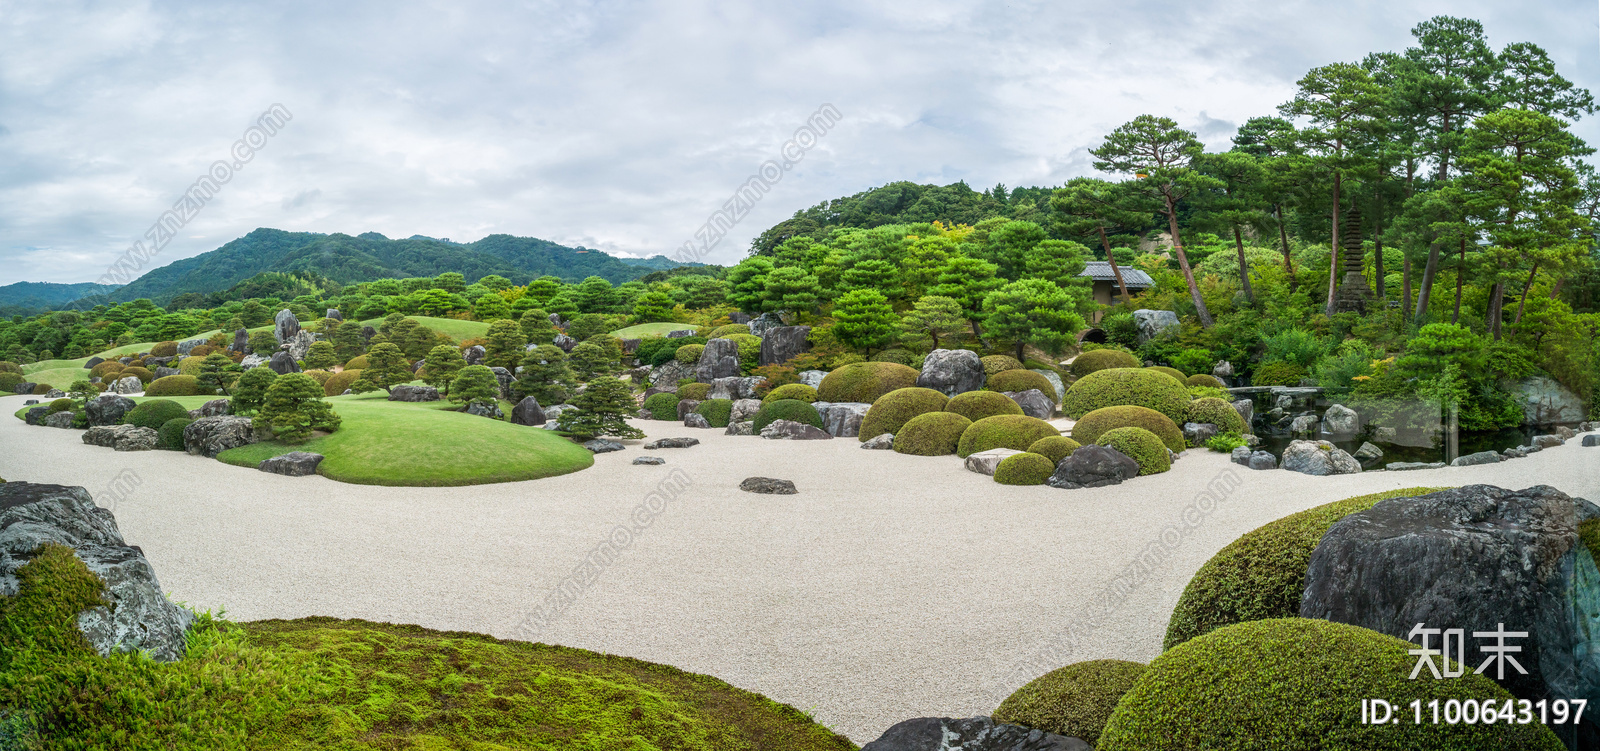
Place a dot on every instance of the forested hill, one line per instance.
(347, 259)
(37, 295)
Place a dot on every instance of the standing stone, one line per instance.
(213, 408)
(283, 362)
(1246, 410)
(666, 376)
(108, 409)
(1546, 402)
(566, 343)
(241, 341)
(738, 317)
(947, 371)
(474, 355)
(301, 343)
(334, 314)
(1240, 455)
(285, 326)
(724, 388)
(719, 360)
(506, 379)
(527, 412)
(127, 385)
(781, 343)
(1153, 323)
(93, 361)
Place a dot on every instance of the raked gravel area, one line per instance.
(890, 587)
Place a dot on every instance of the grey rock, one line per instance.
(667, 376)
(213, 408)
(720, 359)
(602, 446)
(629, 346)
(285, 326)
(1406, 466)
(842, 419)
(93, 361)
(249, 361)
(1304, 425)
(474, 354)
(54, 394)
(1565, 432)
(58, 420)
(812, 378)
(789, 430)
(986, 462)
(1368, 452)
(1055, 380)
(36, 415)
(491, 411)
(1153, 323)
(1197, 433)
(301, 343)
(885, 441)
(30, 402)
(137, 616)
(1386, 434)
(407, 393)
(505, 378)
(1591, 440)
(1482, 457)
(283, 362)
(1246, 410)
(1545, 402)
(687, 407)
(764, 323)
(680, 333)
(768, 485)
(108, 409)
(739, 317)
(334, 314)
(209, 436)
(1093, 466)
(948, 371)
(1033, 403)
(24, 388)
(555, 320)
(1547, 441)
(367, 332)
(148, 361)
(1341, 420)
(1262, 460)
(121, 437)
(127, 385)
(649, 460)
(781, 343)
(553, 412)
(1240, 456)
(1318, 458)
(528, 412)
(671, 443)
(724, 388)
(241, 341)
(292, 464)
(644, 414)
(696, 420)
(1516, 452)
(186, 346)
(744, 409)
(971, 734)
(743, 427)
(1223, 369)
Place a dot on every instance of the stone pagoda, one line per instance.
(1354, 293)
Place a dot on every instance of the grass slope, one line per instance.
(457, 330)
(649, 329)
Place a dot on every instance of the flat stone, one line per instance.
(768, 485)
(1482, 457)
(54, 394)
(789, 430)
(1368, 452)
(971, 734)
(885, 441)
(209, 436)
(1565, 432)
(602, 446)
(121, 437)
(1591, 440)
(292, 464)
(649, 460)
(1405, 466)
(1547, 441)
(671, 443)
(680, 333)
(985, 462)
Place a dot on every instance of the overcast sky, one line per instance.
(621, 125)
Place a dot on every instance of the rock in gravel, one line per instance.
(138, 615)
(1318, 458)
(952, 371)
(292, 464)
(406, 393)
(744, 409)
(602, 446)
(30, 402)
(1262, 460)
(971, 734)
(1197, 433)
(108, 409)
(790, 430)
(1565, 432)
(1591, 440)
(743, 427)
(1033, 402)
(209, 436)
(696, 420)
(36, 415)
(768, 485)
(1404, 466)
(1472, 460)
(671, 443)
(121, 437)
(885, 441)
(1240, 456)
(527, 412)
(58, 420)
(1368, 452)
(649, 460)
(1547, 441)
(985, 462)
(842, 419)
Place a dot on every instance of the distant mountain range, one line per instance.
(41, 295)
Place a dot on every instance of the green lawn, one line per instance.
(78, 364)
(649, 329)
(457, 330)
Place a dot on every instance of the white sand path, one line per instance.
(891, 587)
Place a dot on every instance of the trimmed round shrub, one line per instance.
(170, 434)
(1024, 469)
(1174, 372)
(190, 365)
(998, 364)
(153, 413)
(1003, 432)
(1119, 386)
(322, 376)
(1055, 448)
(40, 389)
(1141, 446)
(931, 434)
(60, 405)
(689, 354)
(8, 382)
(1202, 392)
(1090, 427)
(865, 381)
(716, 411)
(791, 391)
(1277, 374)
(696, 391)
(7, 366)
(895, 355)
(164, 349)
(1293, 683)
(785, 409)
(172, 385)
(359, 362)
(201, 350)
(143, 375)
(1075, 701)
(732, 328)
(1263, 573)
(1022, 380)
(976, 405)
(341, 381)
(1204, 379)
(1218, 413)
(662, 406)
(1102, 359)
(106, 368)
(889, 413)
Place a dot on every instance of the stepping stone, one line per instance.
(601, 446)
(649, 460)
(768, 485)
(671, 443)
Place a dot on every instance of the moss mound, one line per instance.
(716, 411)
(359, 362)
(1218, 413)
(1074, 701)
(340, 382)
(1022, 380)
(1090, 427)
(689, 354)
(1278, 374)
(173, 385)
(865, 381)
(1140, 445)
(732, 328)
(1262, 574)
(170, 435)
(107, 368)
(1174, 372)
(785, 409)
(889, 413)
(1204, 379)
(1025, 468)
(931, 434)
(695, 391)
(791, 391)
(164, 349)
(1055, 448)
(1119, 386)
(143, 375)
(59, 405)
(904, 357)
(1102, 359)
(1003, 432)
(190, 365)
(999, 364)
(663, 406)
(154, 413)
(976, 405)
(1295, 683)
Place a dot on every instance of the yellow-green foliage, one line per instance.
(1589, 535)
(190, 365)
(1118, 386)
(1218, 413)
(1204, 379)
(791, 391)
(716, 411)
(340, 382)
(689, 354)
(1174, 372)
(1074, 701)
(976, 405)
(892, 411)
(931, 434)
(164, 349)
(1022, 380)
(1025, 468)
(1262, 574)
(109, 367)
(1141, 446)
(732, 328)
(173, 385)
(143, 375)
(1090, 427)
(865, 381)
(1003, 432)
(1055, 447)
(1102, 359)
(785, 409)
(1278, 374)
(696, 391)
(1294, 683)
(999, 363)
(359, 362)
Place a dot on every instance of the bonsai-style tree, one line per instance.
(505, 342)
(587, 325)
(536, 326)
(591, 360)
(1032, 311)
(386, 369)
(294, 407)
(602, 409)
(321, 356)
(81, 391)
(491, 307)
(251, 391)
(441, 367)
(864, 320)
(545, 375)
(347, 342)
(934, 316)
(475, 384)
(218, 372)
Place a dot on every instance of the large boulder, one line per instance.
(209, 436)
(163, 372)
(334, 314)
(24, 387)
(696, 420)
(212, 408)
(602, 446)
(667, 376)
(491, 411)
(1341, 420)
(744, 427)
(1544, 401)
(720, 359)
(137, 616)
(36, 415)
(1246, 410)
(121, 437)
(108, 409)
(951, 371)
(186, 346)
(781, 343)
(474, 355)
(285, 326)
(725, 388)
(842, 419)
(249, 361)
(301, 343)
(764, 323)
(1033, 402)
(1318, 458)
(505, 378)
(1303, 425)
(407, 393)
(1153, 323)
(1093, 466)
(744, 409)
(986, 462)
(527, 412)
(972, 734)
(127, 385)
(789, 430)
(1481, 559)
(880, 442)
(93, 361)
(241, 341)
(282, 362)
(292, 464)
(687, 407)
(58, 420)
(1197, 433)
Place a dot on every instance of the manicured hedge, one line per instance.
(322, 376)
(716, 411)
(791, 391)
(143, 375)
(892, 411)
(359, 362)
(931, 434)
(8, 383)
(1140, 445)
(732, 328)
(695, 391)
(1262, 574)
(999, 363)
(785, 409)
(1056, 447)
(1074, 701)
(976, 405)
(340, 382)
(1003, 432)
(60, 405)
(1022, 380)
(40, 389)
(662, 406)
(170, 435)
(1174, 372)
(153, 413)
(106, 368)
(172, 385)
(1218, 413)
(865, 382)
(689, 354)
(1295, 683)
(164, 349)
(1119, 386)
(1204, 379)
(1102, 359)
(1090, 427)
(190, 365)
(1024, 469)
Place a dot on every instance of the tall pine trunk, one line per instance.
(1461, 275)
(1283, 237)
(1244, 268)
(1405, 283)
(1496, 302)
(1183, 262)
(1333, 249)
(1525, 287)
(1116, 270)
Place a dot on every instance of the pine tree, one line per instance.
(544, 376)
(386, 368)
(294, 407)
(590, 360)
(863, 319)
(320, 356)
(1032, 311)
(602, 409)
(475, 384)
(218, 372)
(442, 365)
(251, 390)
(504, 344)
(933, 317)
(536, 326)
(347, 343)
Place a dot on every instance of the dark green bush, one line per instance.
(1204, 379)
(976, 405)
(1118, 386)
(1102, 359)
(695, 391)
(865, 382)
(1218, 413)
(1278, 374)
(1090, 427)
(1141, 446)
(173, 385)
(164, 349)
(1074, 701)
(60, 405)
(1022, 380)
(931, 434)
(662, 406)
(153, 413)
(786, 409)
(1025, 468)
(1003, 432)
(892, 411)
(1262, 574)
(170, 436)
(1055, 447)
(8, 382)
(998, 364)
(716, 411)
(1174, 372)
(791, 391)
(1294, 683)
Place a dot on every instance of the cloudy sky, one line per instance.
(621, 125)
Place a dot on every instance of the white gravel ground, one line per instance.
(890, 587)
